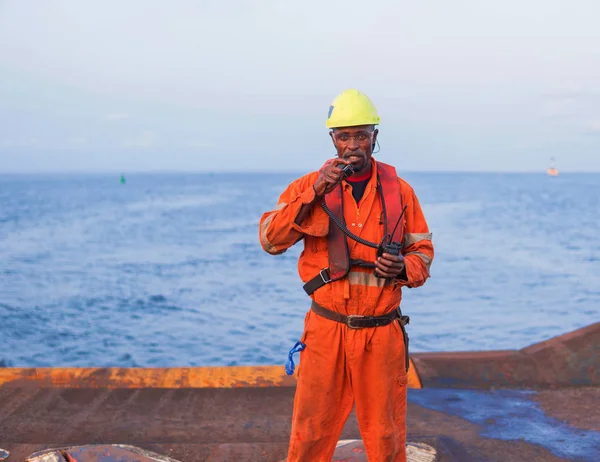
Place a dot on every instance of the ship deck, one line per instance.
(253, 424)
(540, 403)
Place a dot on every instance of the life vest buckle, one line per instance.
(324, 273)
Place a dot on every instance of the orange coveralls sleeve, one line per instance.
(278, 232)
(418, 249)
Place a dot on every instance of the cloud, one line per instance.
(564, 106)
(116, 116)
(31, 142)
(77, 140)
(594, 127)
(143, 140)
(572, 110)
(201, 145)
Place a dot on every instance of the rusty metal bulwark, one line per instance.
(178, 377)
(97, 453)
(182, 377)
(482, 369)
(570, 359)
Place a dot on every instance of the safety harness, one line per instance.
(337, 242)
(340, 261)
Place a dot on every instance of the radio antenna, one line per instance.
(398, 222)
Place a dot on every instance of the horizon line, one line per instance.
(302, 172)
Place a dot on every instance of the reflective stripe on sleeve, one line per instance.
(423, 257)
(270, 248)
(413, 238)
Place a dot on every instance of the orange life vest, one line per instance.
(337, 243)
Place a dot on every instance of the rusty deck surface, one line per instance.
(253, 424)
(541, 403)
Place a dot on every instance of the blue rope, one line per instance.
(289, 365)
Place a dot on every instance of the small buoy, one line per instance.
(122, 179)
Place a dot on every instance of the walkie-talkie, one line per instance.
(347, 171)
(388, 246)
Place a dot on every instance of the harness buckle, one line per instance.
(326, 279)
(349, 319)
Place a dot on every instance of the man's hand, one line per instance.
(330, 177)
(390, 266)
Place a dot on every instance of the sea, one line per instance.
(167, 269)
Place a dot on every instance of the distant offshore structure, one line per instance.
(122, 180)
(552, 170)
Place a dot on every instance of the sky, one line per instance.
(145, 85)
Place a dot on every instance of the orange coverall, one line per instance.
(340, 366)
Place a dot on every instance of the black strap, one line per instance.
(362, 263)
(324, 278)
(318, 281)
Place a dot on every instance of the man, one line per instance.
(355, 343)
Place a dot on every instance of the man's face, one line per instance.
(356, 145)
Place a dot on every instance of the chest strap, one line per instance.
(324, 276)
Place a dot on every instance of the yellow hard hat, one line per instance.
(351, 108)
